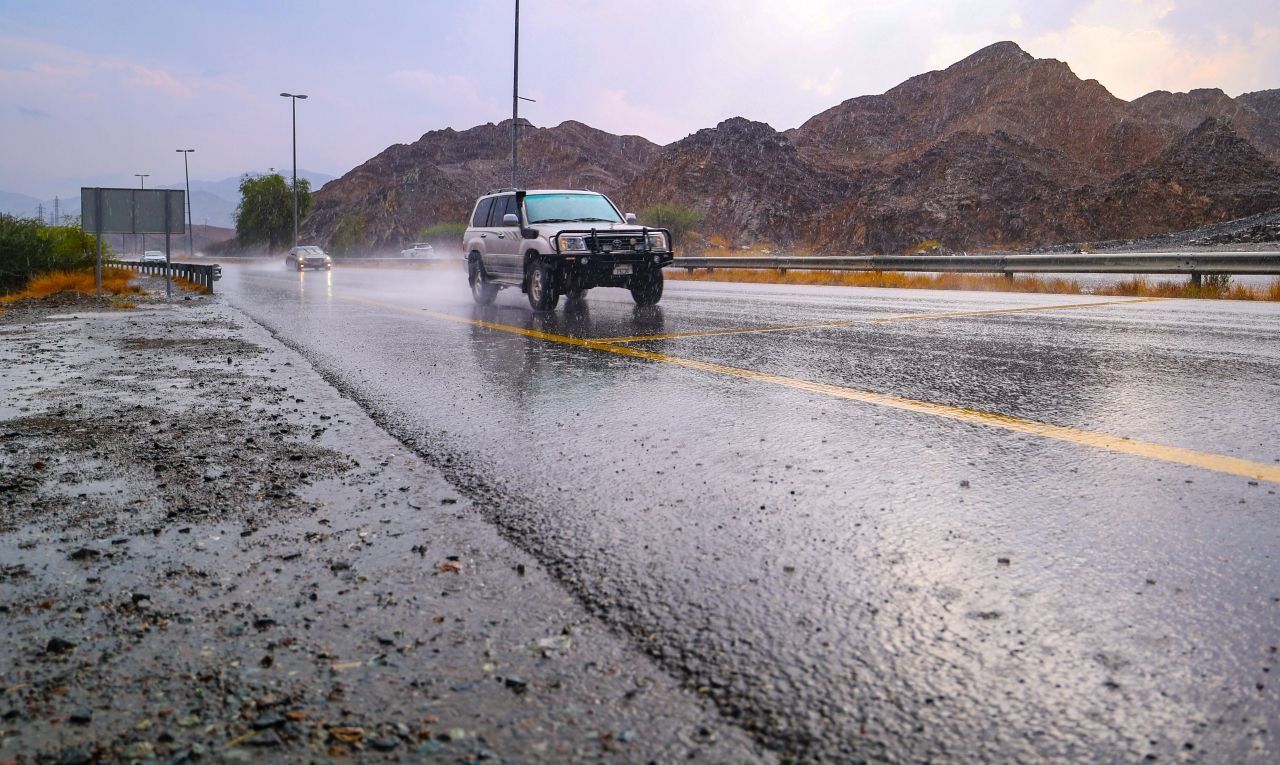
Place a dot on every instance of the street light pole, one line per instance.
(191, 247)
(142, 183)
(293, 100)
(515, 98)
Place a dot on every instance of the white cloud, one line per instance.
(1132, 47)
(1129, 49)
(829, 86)
(40, 66)
(434, 86)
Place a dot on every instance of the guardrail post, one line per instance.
(1196, 279)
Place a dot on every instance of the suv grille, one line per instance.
(617, 242)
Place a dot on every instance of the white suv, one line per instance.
(418, 250)
(561, 242)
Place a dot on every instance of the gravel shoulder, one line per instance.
(207, 553)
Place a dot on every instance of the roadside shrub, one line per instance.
(444, 233)
(349, 237)
(1136, 286)
(676, 219)
(925, 246)
(29, 248)
(1220, 283)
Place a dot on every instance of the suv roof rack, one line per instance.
(499, 191)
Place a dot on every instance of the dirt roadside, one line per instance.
(207, 554)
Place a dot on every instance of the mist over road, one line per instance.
(869, 523)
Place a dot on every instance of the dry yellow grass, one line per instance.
(115, 281)
(187, 284)
(1134, 287)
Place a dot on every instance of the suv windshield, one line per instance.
(570, 208)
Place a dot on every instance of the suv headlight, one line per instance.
(657, 241)
(571, 243)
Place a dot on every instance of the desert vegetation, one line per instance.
(29, 248)
(680, 221)
(1212, 288)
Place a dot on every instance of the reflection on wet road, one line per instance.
(875, 524)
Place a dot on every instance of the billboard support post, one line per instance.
(168, 265)
(97, 219)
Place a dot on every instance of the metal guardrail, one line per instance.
(436, 259)
(1195, 264)
(201, 274)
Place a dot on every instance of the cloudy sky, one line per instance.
(93, 92)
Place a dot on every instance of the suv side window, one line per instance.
(481, 216)
(501, 206)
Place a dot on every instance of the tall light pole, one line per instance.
(191, 247)
(293, 100)
(515, 98)
(142, 183)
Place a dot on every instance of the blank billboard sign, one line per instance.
(133, 211)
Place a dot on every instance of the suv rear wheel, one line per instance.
(481, 290)
(538, 283)
(646, 288)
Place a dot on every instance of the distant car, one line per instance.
(308, 256)
(153, 256)
(419, 250)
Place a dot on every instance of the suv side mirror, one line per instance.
(631, 217)
(510, 219)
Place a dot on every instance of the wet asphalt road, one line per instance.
(815, 526)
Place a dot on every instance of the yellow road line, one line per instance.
(713, 332)
(1022, 309)
(1174, 454)
(852, 322)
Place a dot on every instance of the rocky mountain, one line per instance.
(745, 178)
(998, 150)
(1210, 174)
(1073, 130)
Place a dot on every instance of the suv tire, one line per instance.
(481, 290)
(537, 283)
(646, 288)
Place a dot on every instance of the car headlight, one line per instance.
(657, 241)
(572, 243)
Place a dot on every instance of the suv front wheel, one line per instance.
(538, 281)
(646, 288)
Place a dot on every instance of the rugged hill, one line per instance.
(1076, 130)
(747, 180)
(386, 201)
(998, 150)
(1210, 174)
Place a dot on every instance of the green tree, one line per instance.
(676, 219)
(265, 213)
